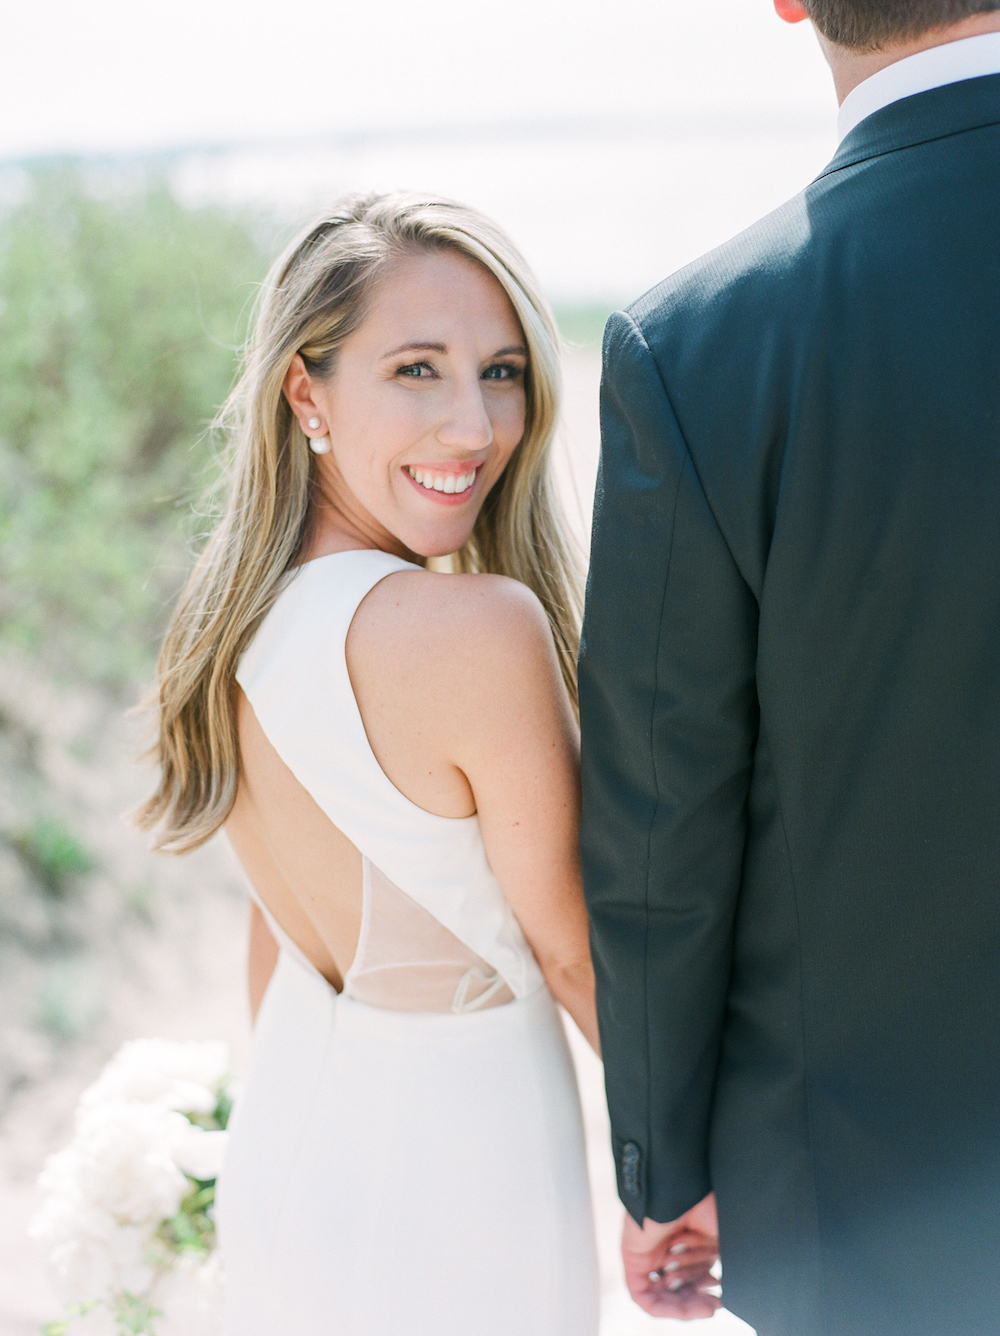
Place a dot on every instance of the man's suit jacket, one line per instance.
(790, 698)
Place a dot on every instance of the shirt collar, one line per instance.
(966, 59)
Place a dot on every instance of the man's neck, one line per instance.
(852, 67)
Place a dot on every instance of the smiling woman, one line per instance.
(314, 301)
(393, 753)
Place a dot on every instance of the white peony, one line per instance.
(181, 1076)
(95, 1256)
(123, 1177)
(124, 1161)
(105, 1196)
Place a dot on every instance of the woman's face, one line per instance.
(424, 408)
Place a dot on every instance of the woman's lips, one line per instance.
(447, 484)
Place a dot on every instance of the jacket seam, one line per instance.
(689, 455)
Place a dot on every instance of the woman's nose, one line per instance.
(467, 424)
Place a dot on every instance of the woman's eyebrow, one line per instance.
(418, 346)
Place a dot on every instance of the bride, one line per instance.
(392, 753)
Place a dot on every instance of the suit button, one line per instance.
(631, 1160)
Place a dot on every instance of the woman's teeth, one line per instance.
(442, 482)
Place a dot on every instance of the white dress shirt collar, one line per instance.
(965, 59)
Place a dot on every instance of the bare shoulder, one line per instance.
(430, 623)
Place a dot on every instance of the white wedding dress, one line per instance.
(406, 1158)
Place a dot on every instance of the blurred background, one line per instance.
(152, 161)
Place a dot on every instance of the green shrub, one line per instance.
(52, 853)
(118, 321)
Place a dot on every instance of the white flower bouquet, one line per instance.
(127, 1217)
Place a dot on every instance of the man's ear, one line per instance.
(790, 10)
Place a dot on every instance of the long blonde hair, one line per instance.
(316, 294)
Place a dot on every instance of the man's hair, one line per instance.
(871, 24)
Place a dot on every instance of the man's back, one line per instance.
(820, 800)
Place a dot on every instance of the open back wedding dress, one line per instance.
(406, 1158)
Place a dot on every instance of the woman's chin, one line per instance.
(437, 551)
(438, 542)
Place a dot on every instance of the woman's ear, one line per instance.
(790, 10)
(297, 389)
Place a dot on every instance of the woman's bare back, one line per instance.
(306, 871)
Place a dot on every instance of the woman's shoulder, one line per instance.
(427, 623)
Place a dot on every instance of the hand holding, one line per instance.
(668, 1267)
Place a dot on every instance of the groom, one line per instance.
(790, 694)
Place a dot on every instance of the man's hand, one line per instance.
(668, 1267)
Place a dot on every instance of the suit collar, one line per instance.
(918, 119)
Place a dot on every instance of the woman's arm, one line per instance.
(520, 753)
(261, 958)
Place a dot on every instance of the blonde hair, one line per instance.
(316, 294)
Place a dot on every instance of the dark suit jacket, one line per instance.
(790, 695)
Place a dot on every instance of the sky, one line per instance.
(128, 75)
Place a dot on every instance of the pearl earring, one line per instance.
(319, 445)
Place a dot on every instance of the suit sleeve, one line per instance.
(669, 717)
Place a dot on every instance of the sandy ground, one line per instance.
(180, 974)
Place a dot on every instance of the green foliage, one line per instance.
(133, 1315)
(223, 1108)
(192, 1229)
(118, 321)
(53, 853)
(218, 1119)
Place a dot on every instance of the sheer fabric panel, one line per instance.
(408, 961)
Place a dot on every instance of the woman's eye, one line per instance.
(503, 371)
(416, 370)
